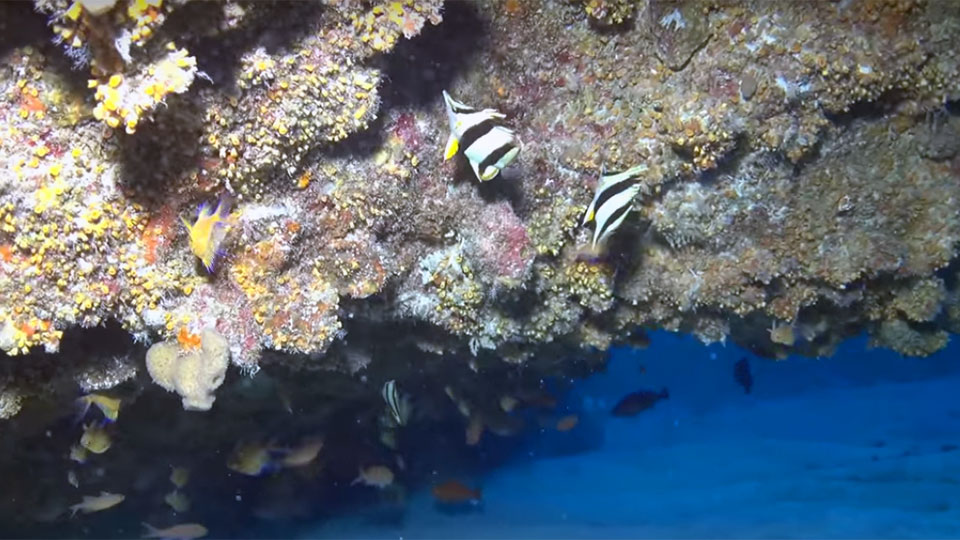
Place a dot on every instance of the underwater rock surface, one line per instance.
(801, 184)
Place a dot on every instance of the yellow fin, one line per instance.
(453, 146)
(489, 174)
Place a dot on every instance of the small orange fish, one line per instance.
(453, 492)
(208, 232)
(568, 422)
(539, 399)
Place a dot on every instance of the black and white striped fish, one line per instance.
(488, 145)
(612, 202)
(398, 407)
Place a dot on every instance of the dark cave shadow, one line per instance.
(157, 159)
(415, 73)
(30, 28)
(505, 187)
(418, 69)
(219, 56)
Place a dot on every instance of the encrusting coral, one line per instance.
(795, 174)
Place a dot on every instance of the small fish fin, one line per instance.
(490, 173)
(664, 393)
(82, 406)
(186, 223)
(205, 211)
(588, 215)
(453, 146)
(476, 169)
(277, 452)
(224, 204)
(151, 531)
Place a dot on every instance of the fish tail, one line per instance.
(224, 204)
(109, 413)
(151, 531)
(82, 406)
(636, 169)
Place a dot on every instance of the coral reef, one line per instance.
(801, 186)
(796, 157)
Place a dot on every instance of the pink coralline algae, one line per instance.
(501, 244)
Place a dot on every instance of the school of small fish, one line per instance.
(489, 146)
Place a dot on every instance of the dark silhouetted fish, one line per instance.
(637, 402)
(741, 373)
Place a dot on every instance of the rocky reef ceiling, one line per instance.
(800, 182)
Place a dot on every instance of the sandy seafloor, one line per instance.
(861, 445)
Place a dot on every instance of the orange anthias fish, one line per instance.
(453, 492)
(568, 422)
(208, 232)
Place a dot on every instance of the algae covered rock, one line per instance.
(194, 374)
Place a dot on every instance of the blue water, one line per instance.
(864, 444)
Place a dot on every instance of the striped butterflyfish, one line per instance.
(398, 406)
(488, 145)
(612, 202)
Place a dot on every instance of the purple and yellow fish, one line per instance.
(208, 232)
(108, 405)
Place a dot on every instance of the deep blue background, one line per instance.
(863, 444)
